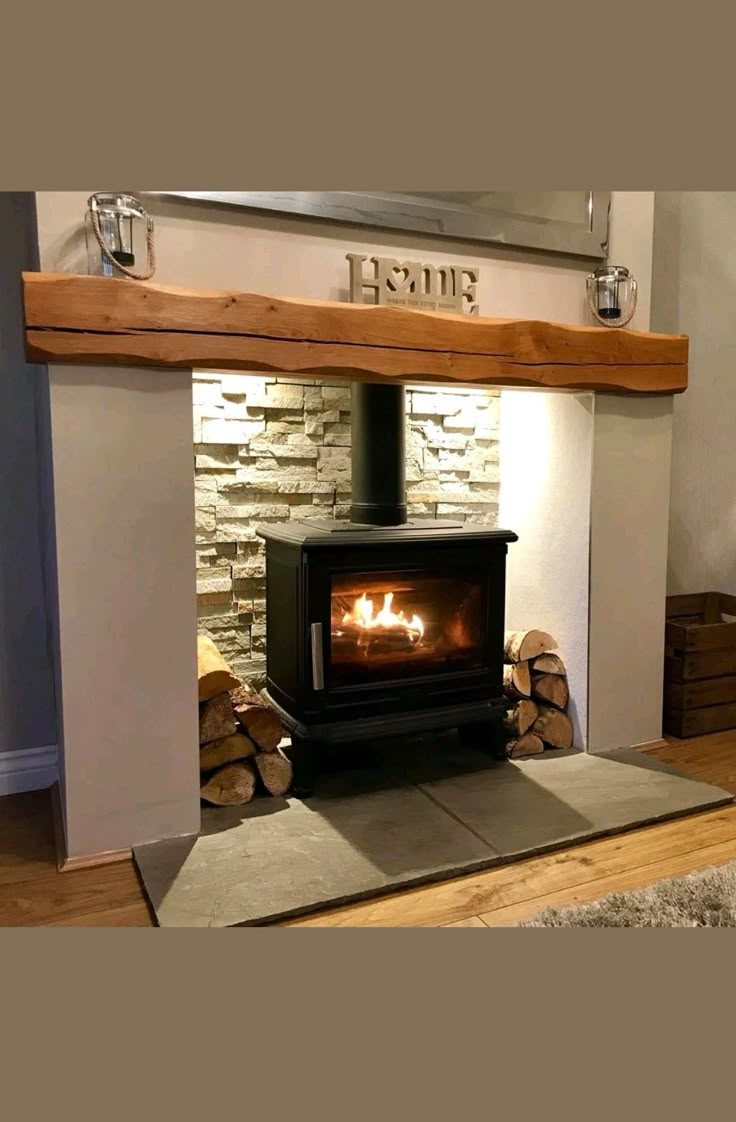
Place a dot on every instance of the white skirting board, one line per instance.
(29, 769)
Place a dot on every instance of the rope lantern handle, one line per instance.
(150, 249)
(619, 323)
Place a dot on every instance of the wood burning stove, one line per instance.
(383, 625)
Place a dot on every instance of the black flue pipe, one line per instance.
(378, 426)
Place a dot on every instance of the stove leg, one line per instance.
(303, 756)
(486, 736)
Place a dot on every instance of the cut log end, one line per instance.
(520, 719)
(554, 727)
(522, 645)
(551, 688)
(216, 719)
(233, 785)
(548, 664)
(527, 745)
(225, 751)
(257, 719)
(517, 681)
(275, 771)
(214, 674)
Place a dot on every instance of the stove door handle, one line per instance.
(318, 668)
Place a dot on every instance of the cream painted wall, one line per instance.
(628, 565)
(594, 508)
(201, 245)
(629, 513)
(695, 278)
(630, 243)
(124, 507)
(546, 448)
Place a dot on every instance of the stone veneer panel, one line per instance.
(270, 448)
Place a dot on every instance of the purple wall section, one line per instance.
(27, 580)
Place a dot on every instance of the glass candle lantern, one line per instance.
(612, 292)
(119, 235)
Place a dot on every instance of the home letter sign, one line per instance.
(430, 288)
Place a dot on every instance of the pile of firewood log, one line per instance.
(240, 733)
(239, 736)
(535, 685)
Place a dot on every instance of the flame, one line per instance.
(363, 615)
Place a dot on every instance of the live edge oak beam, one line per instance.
(98, 320)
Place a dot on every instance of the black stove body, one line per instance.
(383, 626)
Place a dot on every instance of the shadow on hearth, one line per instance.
(497, 803)
(389, 763)
(407, 807)
(216, 819)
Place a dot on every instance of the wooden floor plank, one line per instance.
(619, 882)
(712, 757)
(439, 904)
(129, 915)
(56, 896)
(27, 845)
(471, 921)
(34, 893)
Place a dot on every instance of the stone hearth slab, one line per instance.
(410, 813)
(278, 857)
(546, 801)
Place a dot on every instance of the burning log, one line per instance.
(390, 638)
(233, 785)
(388, 642)
(366, 620)
(522, 645)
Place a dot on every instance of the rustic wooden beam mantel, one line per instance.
(95, 320)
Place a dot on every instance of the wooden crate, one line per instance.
(700, 664)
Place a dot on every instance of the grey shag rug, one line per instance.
(704, 899)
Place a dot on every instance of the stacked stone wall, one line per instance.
(267, 449)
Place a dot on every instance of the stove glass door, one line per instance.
(391, 626)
